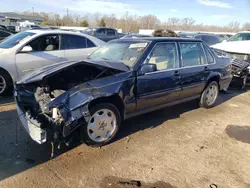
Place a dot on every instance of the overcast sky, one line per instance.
(218, 12)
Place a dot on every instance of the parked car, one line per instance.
(4, 34)
(240, 69)
(238, 48)
(210, 39)
(223, 37)
(30, 50)
(103, 33)
(122, 79)
(129, 36)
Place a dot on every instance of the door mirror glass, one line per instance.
(147, 68)
(26, 49)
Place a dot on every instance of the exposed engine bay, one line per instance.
(36, 98)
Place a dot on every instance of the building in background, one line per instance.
(14, 21)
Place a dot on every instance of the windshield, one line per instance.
(240, 37)
(127, 52)
(14, 39)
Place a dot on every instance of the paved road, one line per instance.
(181, 146)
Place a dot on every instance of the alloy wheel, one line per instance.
(102, 125)
(211, 94)
(2, 84)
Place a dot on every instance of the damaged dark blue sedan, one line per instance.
(122, 79)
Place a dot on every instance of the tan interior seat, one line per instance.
(50, 47)
(161, 62)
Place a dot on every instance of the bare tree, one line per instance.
(150, 21)
(187, 23)
(132, 23)
(234, 26)
(246, 26)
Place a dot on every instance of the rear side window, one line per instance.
(192, 54)
(210, 58)
(90, 44)
(110, 32)
(164, 56)
(73, 42)
(101, 32)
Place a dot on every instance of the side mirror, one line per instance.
(224, 41)
(147, 68)
(26, 49)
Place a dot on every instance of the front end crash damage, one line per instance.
(240, 72)
(57, 105)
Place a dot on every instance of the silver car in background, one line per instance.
(30, 50)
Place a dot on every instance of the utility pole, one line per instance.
(67, 17)
(33, 11)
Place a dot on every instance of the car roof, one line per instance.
(206, 34)
(162, 39)
(51, 31)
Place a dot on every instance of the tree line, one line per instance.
(132, 23)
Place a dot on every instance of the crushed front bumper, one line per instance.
(31, 126)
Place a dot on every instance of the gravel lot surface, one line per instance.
(181, 146)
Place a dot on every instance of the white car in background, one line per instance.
(238, 46)
(30, 50)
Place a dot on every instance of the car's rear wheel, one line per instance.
(209, 95)
(6, 84)
(103, 125)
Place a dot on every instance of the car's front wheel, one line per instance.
(209, 95)
(103, 125)
(6, 84)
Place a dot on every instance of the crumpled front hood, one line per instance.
(40, 74)
(242, 47)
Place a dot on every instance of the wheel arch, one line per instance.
(113, 99)
(4, 70)
(214, 77)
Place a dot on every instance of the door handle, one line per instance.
(206, 69)
(176, 73)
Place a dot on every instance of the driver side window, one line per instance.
(164, 56)
(45, 43)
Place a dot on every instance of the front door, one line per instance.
(194, 70)
(162, 86)
(45, 51)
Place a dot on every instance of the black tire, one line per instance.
(9, 84)
(85, 138)
(203, 100)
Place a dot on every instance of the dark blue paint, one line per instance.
(141, 93)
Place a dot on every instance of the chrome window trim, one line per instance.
(206, 48)
(181, 67)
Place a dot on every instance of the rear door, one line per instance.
(194, 69)
(162, 86)
(46, 50)
(76, 47)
